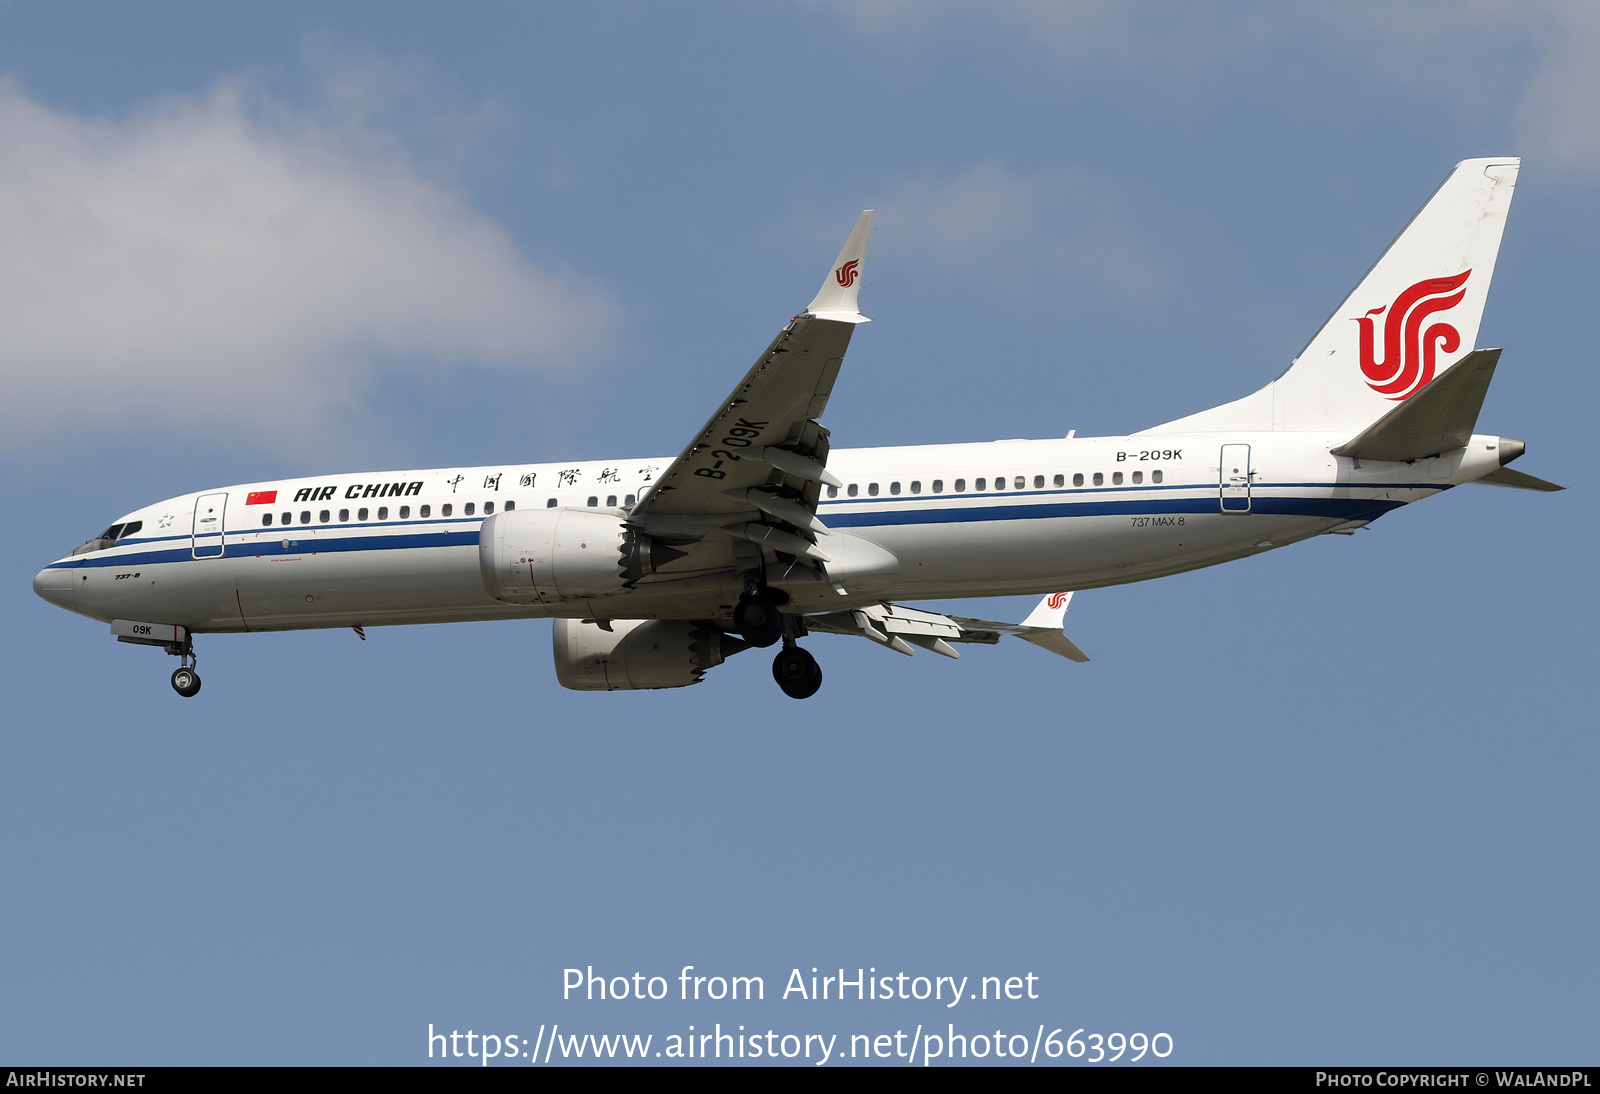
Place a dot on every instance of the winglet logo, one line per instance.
(846, 274)
(1056, 599)
(1408, 356)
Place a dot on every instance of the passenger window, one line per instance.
(286, 518)
(1077, 480)
(1116, 478)
(550, 504)
(510, 505)
(305, 516)
(611, 501)
(1138, 477)
(467, 509)
(1038, 482)
(961, 486)
(628, 501)
(999, 482)
(938, 486)
(894, 488)
(383, 512)
(425, 512)
(405, 512)
(488, 508)
(266, 519)
(1099, 479)
(872, 489)
(852, 490)
(1061, 480)
(344, 515)
(979, 484)
(322, 517)
(594, 503)
(916, 487)
(1155, 476)
(361, 514)
(444, 510)
(1021, 482)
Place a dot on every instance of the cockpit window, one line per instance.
(109, 537)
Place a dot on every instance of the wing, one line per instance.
(899, 628)
(756, 470)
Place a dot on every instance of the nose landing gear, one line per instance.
(185, 680)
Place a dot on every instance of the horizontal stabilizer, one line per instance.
(1438, 418)
(1505, 476)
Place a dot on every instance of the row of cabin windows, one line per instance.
(1020, 482)
(469, 509)
(423, 512)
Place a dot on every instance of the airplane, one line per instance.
(759, 533)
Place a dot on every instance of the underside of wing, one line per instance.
(745, 490)
(900, 628)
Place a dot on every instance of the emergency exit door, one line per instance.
(1235, 478)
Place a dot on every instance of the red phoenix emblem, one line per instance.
(1408, 351)
(846, 274)
(1056, 600)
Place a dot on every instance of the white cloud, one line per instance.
(1532, 69)
(235, 268)
(1560, 118)
(1025, 235)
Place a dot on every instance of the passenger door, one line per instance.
(206, 539)
(1234, 479)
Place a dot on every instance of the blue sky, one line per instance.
(1330, 805)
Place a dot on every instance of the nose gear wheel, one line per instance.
(186, 682)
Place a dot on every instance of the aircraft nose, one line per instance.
(55, 585)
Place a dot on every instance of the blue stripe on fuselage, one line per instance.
(838, 515)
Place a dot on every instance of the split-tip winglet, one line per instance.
(836, 299)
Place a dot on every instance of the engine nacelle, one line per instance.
(637, 653)
(546, 556)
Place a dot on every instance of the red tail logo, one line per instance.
(1056, 599)
(846, 274)
(1408, 357)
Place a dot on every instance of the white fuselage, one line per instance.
(402, 547)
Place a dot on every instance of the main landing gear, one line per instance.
(760, 622)
(796, 672)
(757, 619)
(185, 681)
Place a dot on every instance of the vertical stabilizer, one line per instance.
(1413, 315)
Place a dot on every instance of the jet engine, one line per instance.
(544, 556)
(635, 654)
